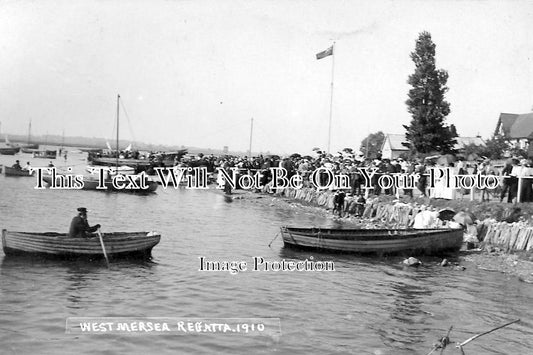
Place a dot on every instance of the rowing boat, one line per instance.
(118, 244)
(9, 150)
(378, 241)
(92, 183)
(9, 171)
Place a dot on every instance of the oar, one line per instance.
(103, 246)
(277, 235)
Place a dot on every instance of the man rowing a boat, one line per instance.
(79, 227)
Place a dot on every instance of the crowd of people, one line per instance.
(508, 172)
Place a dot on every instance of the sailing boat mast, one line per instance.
(29, 133)
(251, 132)
(118, 103)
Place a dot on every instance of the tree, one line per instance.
(428, 131)
(496, 147)
(373, 142)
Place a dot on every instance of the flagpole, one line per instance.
(331, 98)
(251, 132)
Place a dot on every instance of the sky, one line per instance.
(195, 73)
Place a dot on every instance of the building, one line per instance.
(393, 148)
(516, 128)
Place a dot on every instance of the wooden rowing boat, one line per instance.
(119, 244)
(9, 150)
(92, 183)
(9, 171)
(379, 241)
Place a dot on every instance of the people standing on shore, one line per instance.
(506, 176)
(338, 202)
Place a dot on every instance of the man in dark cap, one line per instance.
(17, 165)
(79, 227)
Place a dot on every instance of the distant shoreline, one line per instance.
(101, 143)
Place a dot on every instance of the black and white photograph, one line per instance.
(266, 177)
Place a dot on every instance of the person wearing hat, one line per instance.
(79, 227)
(17, 165)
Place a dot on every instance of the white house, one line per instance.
(392, 146)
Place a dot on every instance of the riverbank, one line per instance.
(489, 258)
(492, 259)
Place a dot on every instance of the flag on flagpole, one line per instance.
(325, 53)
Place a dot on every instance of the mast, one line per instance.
(331, 98)
(29, 132)
(62, 143)
(118, 103)
(251, 131)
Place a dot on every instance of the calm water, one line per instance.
(367, 306)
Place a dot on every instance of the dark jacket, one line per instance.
(79, 228)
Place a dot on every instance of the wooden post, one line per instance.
(518, 193)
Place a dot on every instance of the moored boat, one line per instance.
(9, 171)
(161, 159)
(29, 146)
(45, 154)
(124, 170)
(9, 150)
(378, 241)
(28, 150)
(92, 183)
(118, 244)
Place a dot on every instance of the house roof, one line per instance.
(522, 126)
(506, 121)
(464, 141)
(396, 141)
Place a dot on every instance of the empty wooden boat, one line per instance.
(9, 150)
(379, 241)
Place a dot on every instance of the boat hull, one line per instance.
(374, 241)
(59, 245)
(9, 171)
(9, 151)
(167, 159)
(45, 154)
(92, 184)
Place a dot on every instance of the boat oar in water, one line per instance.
(277, 235)
(103, 246)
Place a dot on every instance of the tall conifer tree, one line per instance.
(428, 131)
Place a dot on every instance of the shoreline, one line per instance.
(518, 264)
